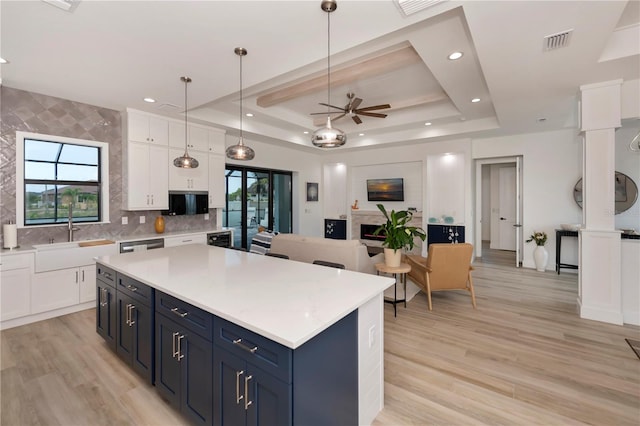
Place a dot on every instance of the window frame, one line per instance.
(20, 180)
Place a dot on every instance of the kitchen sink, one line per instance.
(72, 254)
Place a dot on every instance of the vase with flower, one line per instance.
(540, 255)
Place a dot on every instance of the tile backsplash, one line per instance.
(31, 112)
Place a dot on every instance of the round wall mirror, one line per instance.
(626, 192)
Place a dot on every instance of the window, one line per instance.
(59, 177)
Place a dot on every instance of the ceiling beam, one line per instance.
(359, 70)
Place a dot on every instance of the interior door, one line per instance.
(508, 208)
(518, 225)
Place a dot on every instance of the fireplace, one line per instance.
(367, 230)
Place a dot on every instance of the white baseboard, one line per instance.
(16, 322)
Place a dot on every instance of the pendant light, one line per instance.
(185, 162)
(240, 151)
(328, 136)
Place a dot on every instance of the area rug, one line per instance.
(635, 346)
(412, 290)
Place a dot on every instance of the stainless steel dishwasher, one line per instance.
(141, 245)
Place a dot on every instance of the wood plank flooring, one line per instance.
(523, 357)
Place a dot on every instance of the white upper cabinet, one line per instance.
(198, 137)
(147, 177)
(188, 179)
(147, 128)
(216, 141)
(176, 134)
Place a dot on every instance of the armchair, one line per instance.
(447, 267)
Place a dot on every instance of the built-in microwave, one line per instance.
(182, 203)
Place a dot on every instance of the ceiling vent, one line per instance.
(409, 7)
(66, 5)
(558, 40)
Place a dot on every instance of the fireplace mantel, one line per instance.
(375, 217)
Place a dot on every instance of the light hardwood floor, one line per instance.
(523, 357)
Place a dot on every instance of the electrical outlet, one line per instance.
(125, 220)
(142, 219)
(206, 216)
(372, 335)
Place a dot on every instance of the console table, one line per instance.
(559, 234)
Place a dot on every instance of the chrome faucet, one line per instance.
(70, 226)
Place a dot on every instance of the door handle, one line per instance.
(180, 356)
(238, 396)
(517, 225)
(247, 403)
(173, 343)
(503, 218)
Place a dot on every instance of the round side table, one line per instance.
(396, 271)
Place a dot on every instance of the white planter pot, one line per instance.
(392, 258)
(540, 257)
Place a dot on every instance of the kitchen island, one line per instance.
(267, 338)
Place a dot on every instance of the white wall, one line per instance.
(306, 167)
(551, 166)
(628, 163)
(410, 172)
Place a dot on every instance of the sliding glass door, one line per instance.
(256, 199)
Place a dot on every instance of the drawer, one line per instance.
(185, 315)
(106, 275)
(16, 261)
(139, 291)
(269, 356)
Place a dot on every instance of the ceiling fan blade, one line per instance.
(374, 107)
(357, 119)
(332, 106)
(356, 103)
(338, 117)
(373, 114)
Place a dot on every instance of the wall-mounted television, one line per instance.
(385, 189)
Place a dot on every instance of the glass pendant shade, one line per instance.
(328, 136)
(185, 161)
(240, 151)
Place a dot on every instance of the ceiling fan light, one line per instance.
(328, 136)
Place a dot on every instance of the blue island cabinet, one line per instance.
(258, 381)
(106, 304)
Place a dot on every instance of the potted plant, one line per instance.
(398, 235)
(540, 255)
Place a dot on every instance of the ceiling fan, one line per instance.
(351, 109)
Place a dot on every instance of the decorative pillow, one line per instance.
(261, 242)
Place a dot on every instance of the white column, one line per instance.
(600, 296)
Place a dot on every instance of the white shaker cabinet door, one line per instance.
(87, 281)
(54, 290)
(15, 293)
(159, 163)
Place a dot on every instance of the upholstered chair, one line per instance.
(446, 267)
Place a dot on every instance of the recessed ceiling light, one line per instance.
(3, 61)
(305, 132)
(455, 55)
(361, 134)
(428, 123)
(150, 100)
(249, 114)
(475, 100)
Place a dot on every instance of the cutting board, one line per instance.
(95, 243)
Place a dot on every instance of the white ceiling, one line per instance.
(115, 53)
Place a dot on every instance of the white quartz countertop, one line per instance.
(286, 301)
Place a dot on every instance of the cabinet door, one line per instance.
(198, 139)
(228, 392)
(54, 289)
(125, 331)
(216, 181)
(138, 176)
(189, 179)
(216, 142)
(176, 134)
(270, 399)
(197, 378)
(158, 131)
(167, 366)
(159, 180)
(15, 289)
(87, 283)
(185, 239)
(105, 313)
(142, 356)
(138, 127)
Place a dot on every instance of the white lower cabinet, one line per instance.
(62, 288)
(15, 286)
(185, 239)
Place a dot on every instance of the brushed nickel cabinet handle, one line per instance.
(180, 356)
(245, 347)
(247, 403)
(173, 343)
(103, 297)
(76, 276)
(131, 321)
(178, 313)
(132, 288)
(107, 275)
(238, 396)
